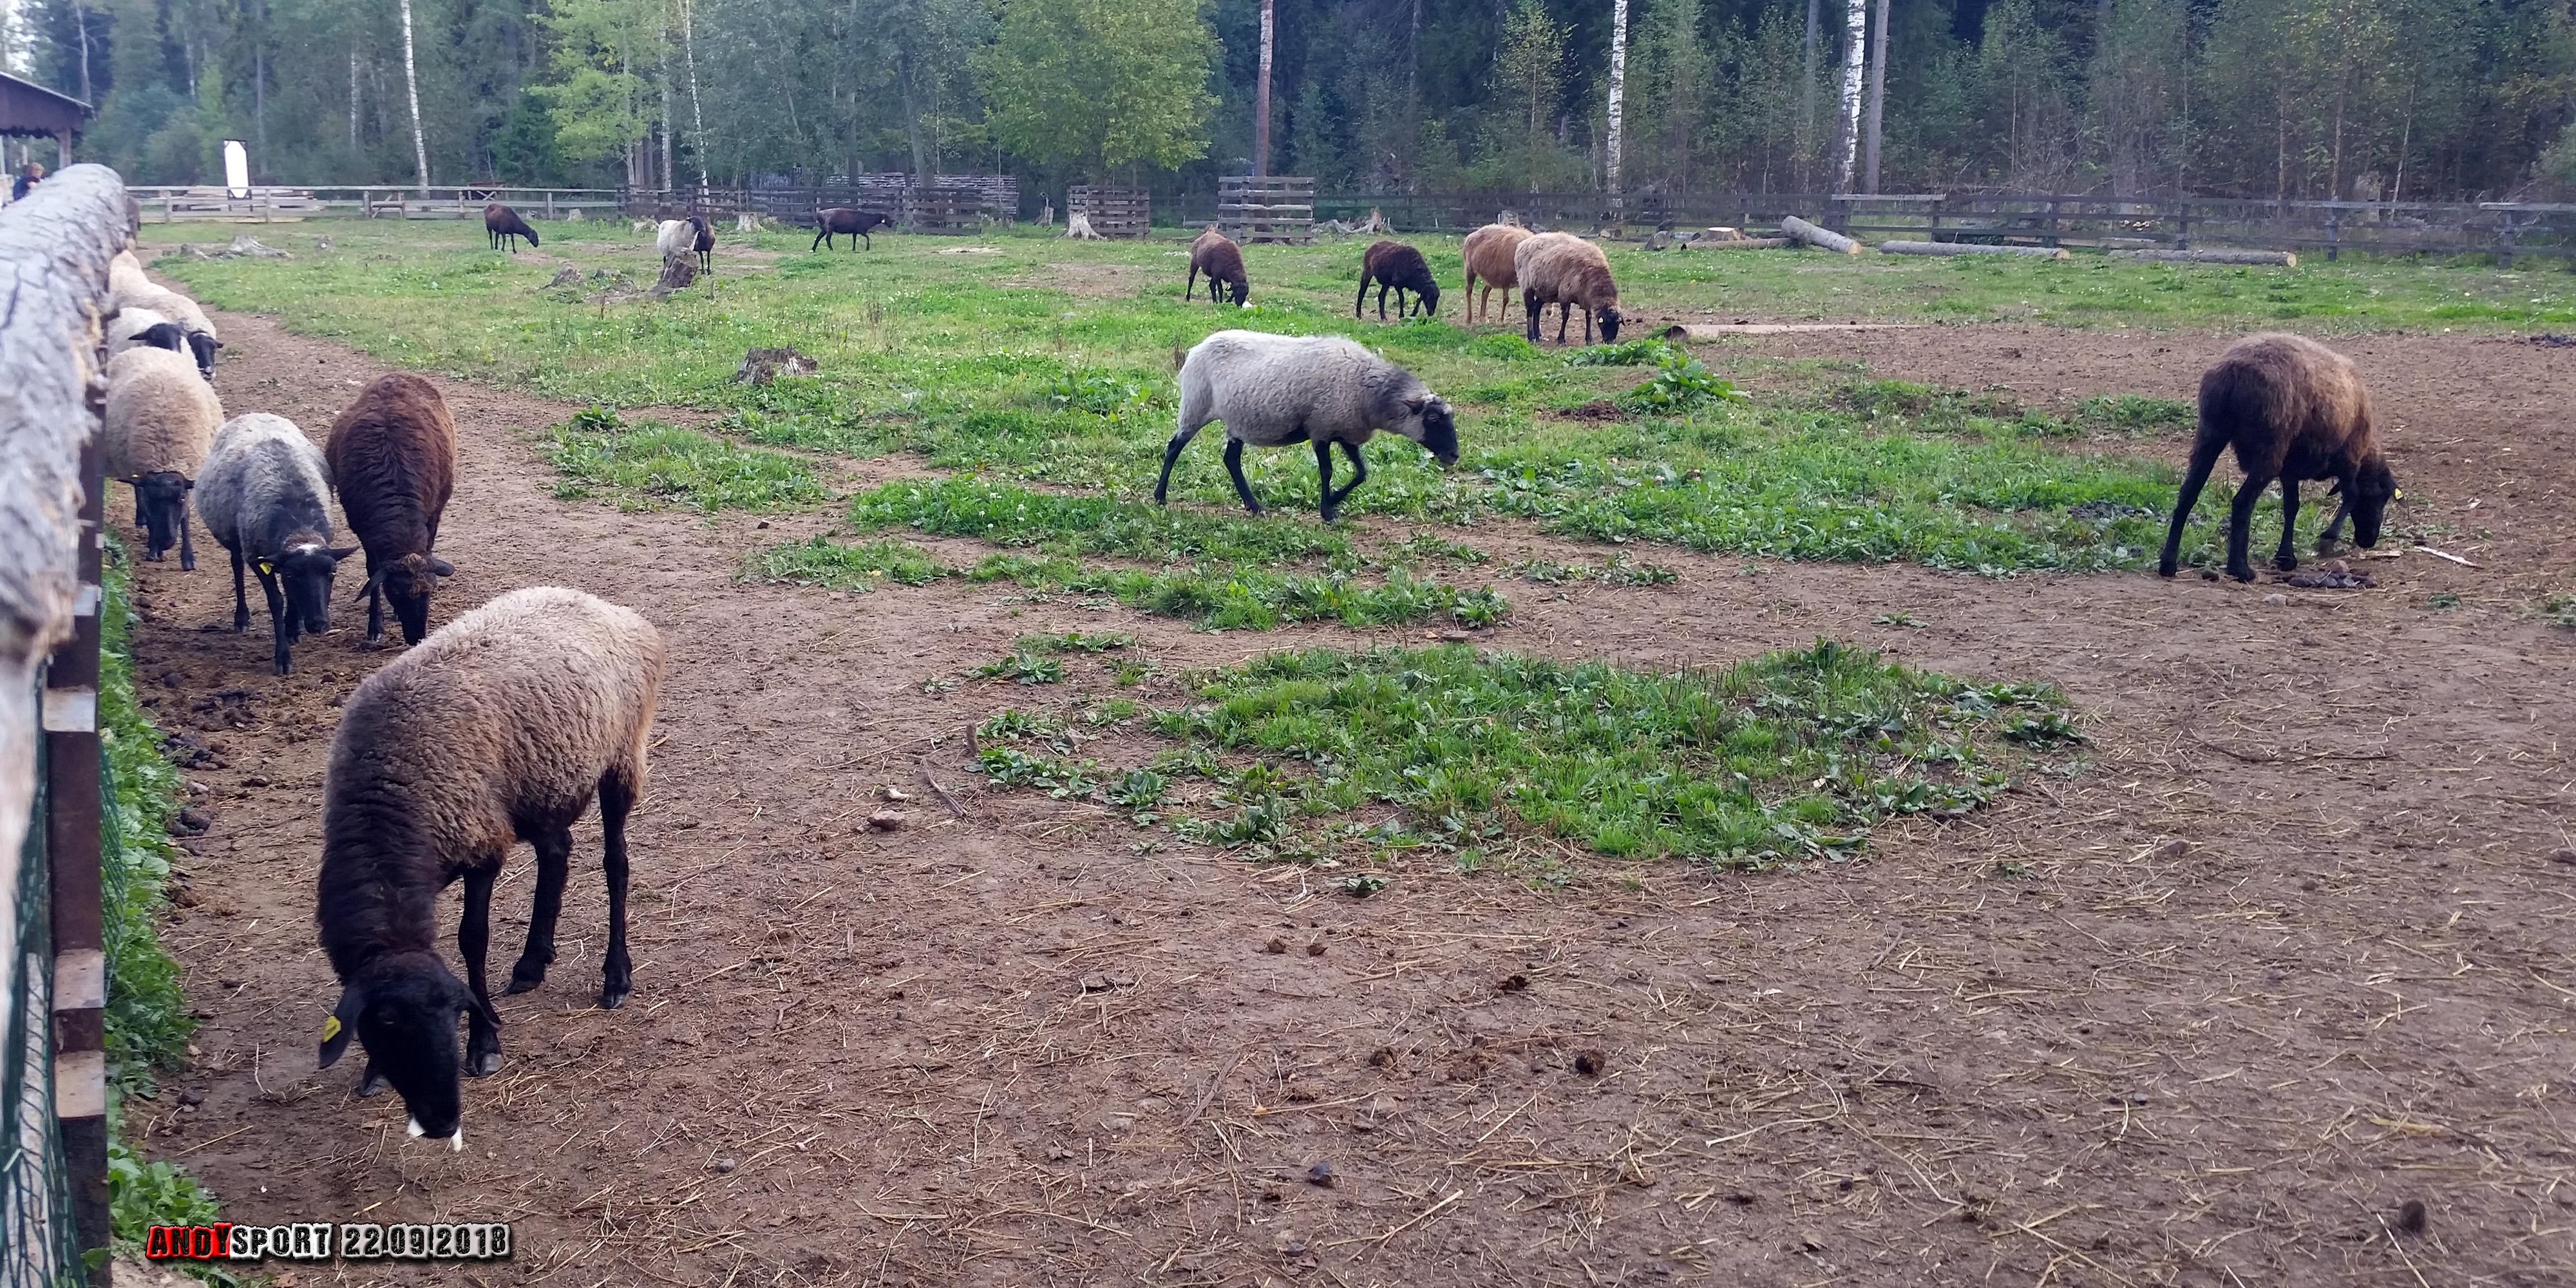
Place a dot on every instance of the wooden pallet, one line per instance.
(1113, 212)
(1271, 208)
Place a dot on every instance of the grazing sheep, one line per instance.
(499, 728)
(1488, 253)
(161, 419)
(2292, 409)
(265, 493)
(1569, 272)
(393, 457)
(125, 272)
(505, 225)
(136, 327)
(841, 221)
(202, 338)
(1217, 255)
(1401, 267)
(1271, 390)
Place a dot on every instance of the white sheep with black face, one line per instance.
(1272, 390)
(161, 420)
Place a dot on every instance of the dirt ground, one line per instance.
(2292, 951)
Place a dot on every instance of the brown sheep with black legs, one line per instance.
(503, 224)
(1488, 254)
(2291, 409)
(393, 459)
(501, 727)
(1569, 272)
(1395, 266)
(1217, 255)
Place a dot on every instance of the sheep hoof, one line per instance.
(524, 979)
(612, 998)
(2241, 574)
(483, 1064)
(2286, 563)
(372, 1085)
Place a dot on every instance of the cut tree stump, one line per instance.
(1078, 225)
(1970, 248)
(1820, 238)
(679, 273)
(2275, 258)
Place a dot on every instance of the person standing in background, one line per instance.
(28, 176)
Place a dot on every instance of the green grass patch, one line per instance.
(654, 464)
(1790, 756)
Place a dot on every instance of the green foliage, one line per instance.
(863, 567)
(655, 464)
(1100, 85)
(1785, 757)
(1681, 383)
(1626, 353)
(2131, 415)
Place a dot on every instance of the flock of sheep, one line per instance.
(497, 728)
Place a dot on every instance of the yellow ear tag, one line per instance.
(330, 1027)
(2398, 495)
(267, 569)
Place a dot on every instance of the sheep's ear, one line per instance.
(468, 1004)
(338, 555)
(374, 579)
(1415, 405)
(2335, 488)
(441, 568)
(340, 1025)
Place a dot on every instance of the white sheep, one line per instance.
(1272, 390)
(125, 272)
(265, 494)
(676, 236)
(202, 337)
(161, 419)
(1569, 272)
(141, 326)
(499, 727)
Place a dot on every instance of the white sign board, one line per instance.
(236, 169)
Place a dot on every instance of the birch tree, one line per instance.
(1261, 93)
(1618, 89)
(1877, 98)
(1855, 47)
(411, 86)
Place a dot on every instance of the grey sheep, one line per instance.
(2292, 409)
(161, 420)
(265, 493)
(1272, 390)
(1569, 272)
(500, 727)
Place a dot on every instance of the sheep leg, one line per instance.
(241, 601)
(617, 974)
(818, 242)
(2334, 529)
(1324, 476)
(1528, 315)
(1171, 457)
(1587, 324)
(2286, 559)
(2204, 456)
(1360, 301)
(187, 538)
(1359, 471)
(473, 940)
(281, 624)
(2240, 527)
(554, 865)
(1564, 319)
(1234, 466)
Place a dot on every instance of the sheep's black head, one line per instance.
(407, 582)
(165, 335)
(1609, 320)
(404, 1008)
(1429, 293)
(1428, 421)
(162, 497)
(204, 346)
(2374, 485)
(1242, 289)
(304, 572)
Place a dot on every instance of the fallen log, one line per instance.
(2275, 258)
(1820, 238)
(1970, 248)
(1738, 243)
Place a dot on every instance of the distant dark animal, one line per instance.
(1398, 267)
(1569, 272)
(265, 493)
(1217, 255)
(705, 244)
(1488, 255)
(841, 221)
(393, 458)
(501, 727)
(2292, 409)
(1271, 390)
(504, 225)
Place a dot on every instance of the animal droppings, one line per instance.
(2410, 1217)
(1322, 1174)
(1591, 1063)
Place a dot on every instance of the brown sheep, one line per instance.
(1488, 253)
(393, 459)
(1569, 272)
(2292, 409)
(842, 221)
(1401, 268)
(1216, 255)
(504, 225)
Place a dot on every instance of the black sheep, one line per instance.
(504, 224)
(1396, 266)
(841, 221)
(706, 242)
(1217, 255)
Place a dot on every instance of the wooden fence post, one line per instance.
(2334, 233)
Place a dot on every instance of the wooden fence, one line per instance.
(1114, 212)
(947, 203)
(1267, 209)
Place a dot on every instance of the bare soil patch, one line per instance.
(2293, 952)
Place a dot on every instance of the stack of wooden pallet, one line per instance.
(1268, 208)
(1113, 212)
